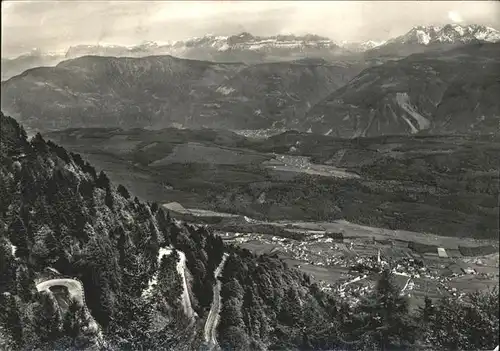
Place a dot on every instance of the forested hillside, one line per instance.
(59, 217)
(57, 212)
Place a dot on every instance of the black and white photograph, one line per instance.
(249, 175)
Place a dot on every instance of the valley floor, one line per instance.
(426, 264)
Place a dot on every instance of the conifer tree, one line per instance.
(102, 181)
(123, 191)
(169, 280)
(108, 199)
(10, 319)
(383, 317)
(7, 268)
(47, 319)
(19, 236)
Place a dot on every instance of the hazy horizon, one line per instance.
(57, 25)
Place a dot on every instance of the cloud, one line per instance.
(455, 17)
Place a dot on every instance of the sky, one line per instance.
(56, 25)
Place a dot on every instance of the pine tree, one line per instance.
(426, 320)
(385, 316)
(108, 199)
(18, 235)
(163, 227)
(47, 319)
(7, 268)
(290, 310)
(427, 312)
(102, 181)
(154, 207)
(90, 170)
(71, 323)
(39, 144)
(77, 159)
(169, 280)
(174, 233)
(10, 318)
(123, 191)
(25, 285)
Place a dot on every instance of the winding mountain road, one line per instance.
(75, 289)
(210, 330)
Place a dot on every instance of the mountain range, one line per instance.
(243, 47)
(140, 208)
(13, 66)
(247, 48)
(443, 90)
(158, 91)
(426, 38)
(450, 33)
(240, 47)
(452, 91)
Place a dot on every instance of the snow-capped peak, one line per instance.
(210, 42)
(450, 33)
(484, 33)
(423, 37)
(247, 41)
(372, 43)
(361, 46)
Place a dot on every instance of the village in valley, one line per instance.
(349, 266)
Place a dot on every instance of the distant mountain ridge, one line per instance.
(362, 46)
(243, 47)
(426, 38)
(35, 58)
(450, 33)
(439, 91)
(447, 84)
(454, 91)
(159, 91)
(250, 49)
